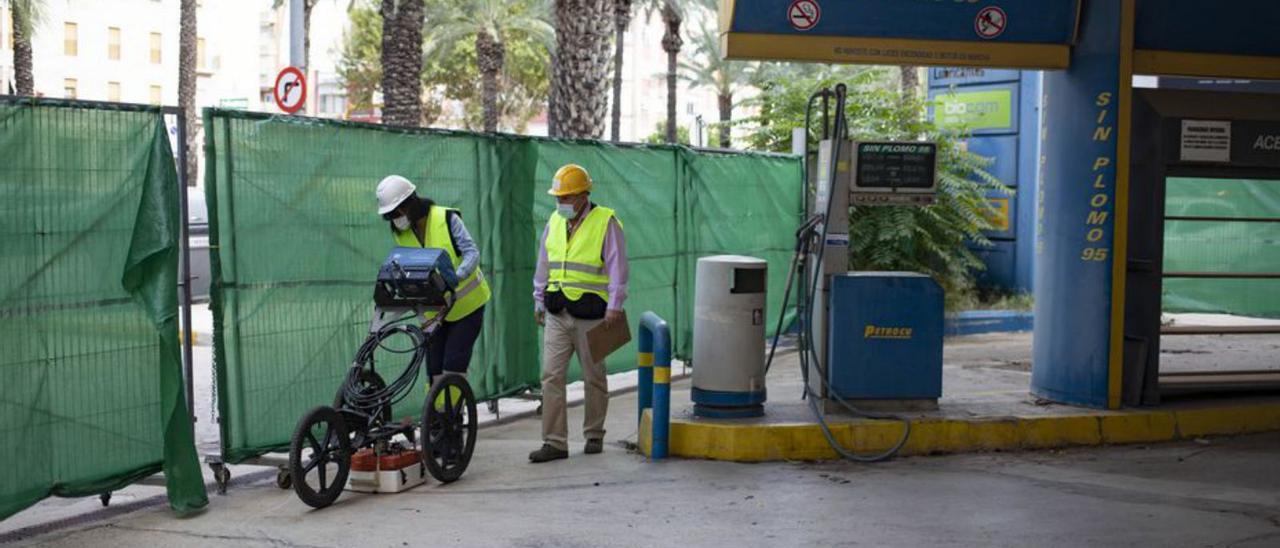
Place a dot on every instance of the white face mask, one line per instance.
(567, 211)
(401, 222)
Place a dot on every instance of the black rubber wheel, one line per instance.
(320, 457)
(448, 430)
(369, 382)
(284, 479)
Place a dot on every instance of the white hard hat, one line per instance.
(391, 191)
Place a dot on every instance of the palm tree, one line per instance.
(673, 12)
(671, 43)
(579, 89)
(621, 20)
(402, 62)
(490, 22)
(910, 80)
(26, 17)
(711, 70)
(187, 84)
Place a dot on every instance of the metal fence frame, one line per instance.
(184, 263)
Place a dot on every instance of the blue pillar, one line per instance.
(1079, 278)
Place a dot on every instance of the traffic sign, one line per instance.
(291, 90)
(804, 14)
(990, 22)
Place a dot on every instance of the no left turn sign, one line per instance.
(291, 90)
(804, 14)
(990, 22)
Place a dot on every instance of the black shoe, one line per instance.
(594, 447)
(547, 454)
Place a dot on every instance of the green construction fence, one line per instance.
(296, 242)
(91, 390)
(1250, 244)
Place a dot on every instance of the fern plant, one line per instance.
(933, 240)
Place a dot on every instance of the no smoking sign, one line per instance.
(291, 90)
(990, 22)
(804, 14)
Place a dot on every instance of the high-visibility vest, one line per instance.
(472, 292)
(577, 263)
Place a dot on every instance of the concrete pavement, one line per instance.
(1220, 491)
(1209, 492)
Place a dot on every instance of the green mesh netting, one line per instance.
(1222, 246)
(742, 205)
(296, 243)
(91, 392)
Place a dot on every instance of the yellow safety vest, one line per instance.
(577, 264)
(472, 292)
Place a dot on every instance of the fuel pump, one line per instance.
(867, 174)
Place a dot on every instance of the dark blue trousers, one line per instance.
(450, 348)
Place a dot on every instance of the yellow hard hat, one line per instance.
(570, 179)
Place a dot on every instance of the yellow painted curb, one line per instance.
(718, 440)
(1143, 427)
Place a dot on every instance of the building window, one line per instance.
(332, 104)
(113, 91)
(200, 53)
(155, 95)
(155, 48)
(69, 88)
(6, 22)
(113, 43)
(71, 41)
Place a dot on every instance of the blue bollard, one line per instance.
(655, 379)
(644, 362)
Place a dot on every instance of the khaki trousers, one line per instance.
(562, 337)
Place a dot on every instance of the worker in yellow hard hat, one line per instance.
(580, 281)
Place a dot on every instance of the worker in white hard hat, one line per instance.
(419, 222)
(580, 282)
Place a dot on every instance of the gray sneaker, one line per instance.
(548, 453)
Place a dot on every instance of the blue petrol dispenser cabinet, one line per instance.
(885, 338)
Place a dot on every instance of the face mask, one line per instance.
(567, 211)
(400, 222)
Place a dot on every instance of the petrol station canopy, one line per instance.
(1226, 38)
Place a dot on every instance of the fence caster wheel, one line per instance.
(283, 479)
(221, 476)
(105, 498)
